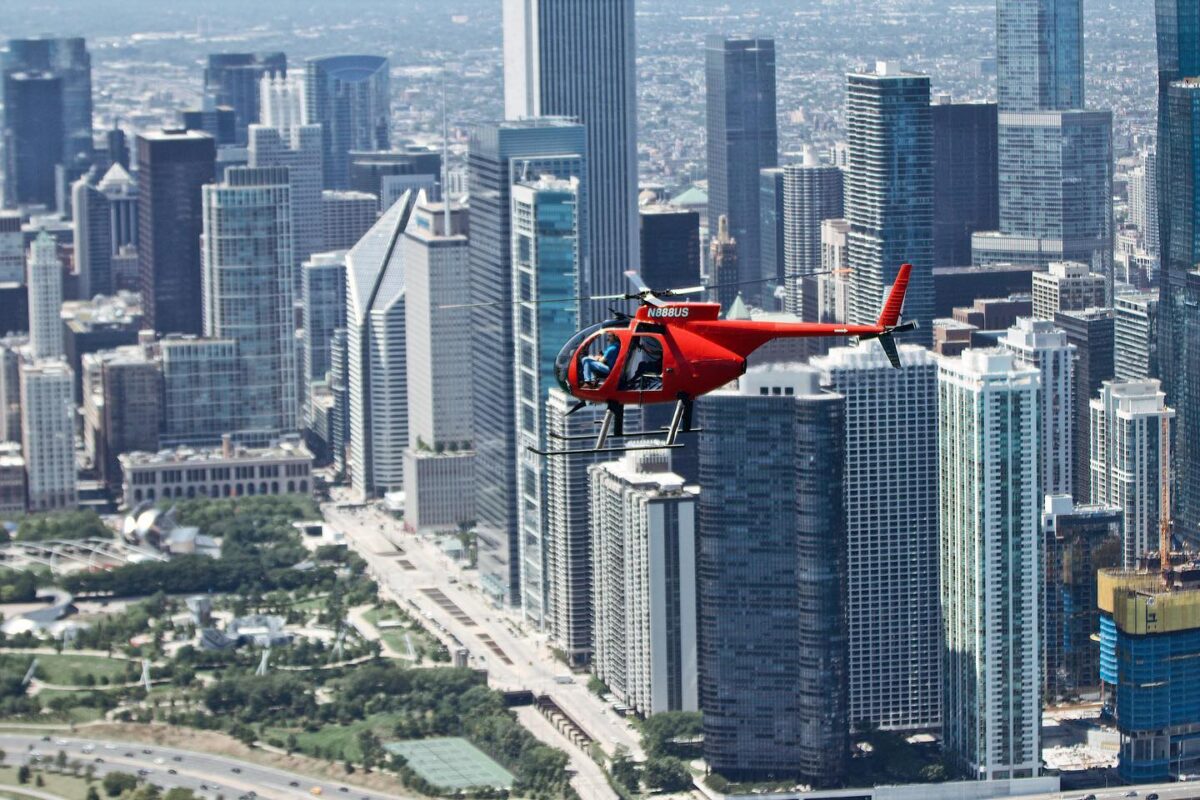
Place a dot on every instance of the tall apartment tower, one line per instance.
(299, 150)
(45, 298)
(1055, 170)
(377, 359)
(33, 137)
(812, 193)
(350, 98)
(547, 255)
(281, 103)
(991, 582)
(1135, 336)
(965, 184)
(439, 464)
(247, 292)
(1131, 454)
(172, 166)
(1038, 344)
(232, 79)
(742, 139)
(1143, 198)
(323, 299)
(67, 59)
(891, 533)
(771, 577)
(643, 521)
(890, 192)
(1091, 331)
(578, 60)
(48, 435)
(834, 286)
(498, 156)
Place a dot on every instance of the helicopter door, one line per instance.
(643, 370)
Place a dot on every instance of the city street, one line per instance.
(207, 775)
(424, 577)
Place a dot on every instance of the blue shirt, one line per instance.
(610, 354)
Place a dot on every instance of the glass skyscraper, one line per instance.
(350, 98)
(232, 79)
(1055, 169)
(889, 192)
(742, 139)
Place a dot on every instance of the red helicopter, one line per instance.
(676, 352)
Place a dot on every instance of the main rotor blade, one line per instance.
(539, 300)
(635, 280)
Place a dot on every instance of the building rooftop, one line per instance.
(123, 309)
(196, 455)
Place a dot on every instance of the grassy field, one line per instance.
(338, 742)
(63, 786)
(70, 670)
(422, 641)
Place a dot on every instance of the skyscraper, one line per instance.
(345, 216)
(439, 464)
(770, 222)
(105, 216)
(1038, 344)
(670, 246)
(991, 585)
(247, 292)
(1066, 286)
(723, 257)
(1135, 336)
(548, 255)
(890, 192)
(1143, 199)
(232, 79)
(350, 98)
(498, 156)
(48, 435)
(45, 298)
(1131, 451)
(1091, 331)
(376, 355)
(323, 296)
(202, 381)
(572, 59)
(33, 137)
(298, 149)
(67, 59)
(965, 187)
(771, 578)
(812, 193)
(172, 166)
(388, 174)
(12, 249)
(742, 139)
(281, 103)
(1055, 170)
(891, 533)
(643, 521)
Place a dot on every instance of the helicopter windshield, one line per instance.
(562, 362)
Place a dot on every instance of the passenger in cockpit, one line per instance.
(596, 369)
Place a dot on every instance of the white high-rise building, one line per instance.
(1042, 346)
(439, 464)
(281, 102)
(45, 298)
(247, 292)
(1130, 456)
(833, 285)
(812, 194)
(1143, 199)
(546, 264)
(377, 355)
(48, 435)
(1066, 286)
(644, 541)
(991, 579)
(571, 59)
(891, 533)
(299, 149)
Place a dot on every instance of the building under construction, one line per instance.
(1150, 666)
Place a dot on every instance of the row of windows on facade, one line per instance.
(142, 478)
(223, 490)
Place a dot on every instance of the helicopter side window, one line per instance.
(600, 361)
(644, 366)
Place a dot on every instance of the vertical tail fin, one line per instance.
(895, 299)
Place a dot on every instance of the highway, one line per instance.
(1165, 791)
(205, 774)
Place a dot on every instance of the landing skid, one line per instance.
(612, 427)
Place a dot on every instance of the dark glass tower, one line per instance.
(172, 166)
(1092, 332)
(965, 188)
(500, 154)
(231, 79)
(742, 139)
(670, 239)
(69, 60)
(33, 136)
(350, 97)
(771, 579)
